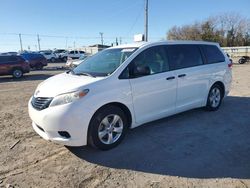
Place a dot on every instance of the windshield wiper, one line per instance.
(84, 74)
(70, 71)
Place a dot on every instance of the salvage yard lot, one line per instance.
(194, 148)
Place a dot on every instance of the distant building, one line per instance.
(94, 48)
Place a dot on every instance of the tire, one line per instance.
(214, 98)
(39, 66)
(242, 61)
(107, 128)
(53, 60)
(65, 59)
(17, 73)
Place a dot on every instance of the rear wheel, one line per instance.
(214, 98)
(17, 73)
(242, 61)
(107, 128)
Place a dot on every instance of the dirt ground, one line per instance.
(191, 149)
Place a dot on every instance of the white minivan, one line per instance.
(125, 86)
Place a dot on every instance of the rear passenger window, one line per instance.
(12, 58)
(183, 56)
(213, 54)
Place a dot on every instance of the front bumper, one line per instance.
(70, 118)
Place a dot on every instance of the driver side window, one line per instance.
(151, 61)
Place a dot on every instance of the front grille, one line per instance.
(41, 103)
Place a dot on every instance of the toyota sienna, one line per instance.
(126, 86)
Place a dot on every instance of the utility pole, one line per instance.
(38, 41)
(21, 44)
(101, 34)
(120, 40)
(116, 41)
(146, 21)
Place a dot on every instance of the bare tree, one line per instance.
(229, 29)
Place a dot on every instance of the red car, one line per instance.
(13, 65)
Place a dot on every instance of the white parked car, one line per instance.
(72, 63)
(49, 55)
(60, 53)
(126, 86)
(73, 54)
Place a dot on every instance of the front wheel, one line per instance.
(214, 98)
(17, 73)
(107, 128)
(53, 60)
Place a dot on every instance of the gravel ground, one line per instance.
(191, 149)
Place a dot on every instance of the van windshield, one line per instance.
(104, 62)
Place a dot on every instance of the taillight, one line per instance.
(230, 65)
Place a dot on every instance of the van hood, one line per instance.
(63, 83)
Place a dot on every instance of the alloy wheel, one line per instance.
(110, 129)
(215, 97)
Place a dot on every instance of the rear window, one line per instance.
(213, 54)
(183, 56)
(34, 56)
(59, 51)
(26, 56)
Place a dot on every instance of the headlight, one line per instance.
(68, 97)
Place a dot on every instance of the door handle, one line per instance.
(181, 75)
(170, 78)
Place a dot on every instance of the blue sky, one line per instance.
(63, 23)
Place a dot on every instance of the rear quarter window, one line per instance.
(212, 54)
(3, 59)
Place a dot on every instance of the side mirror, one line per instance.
(141, 71)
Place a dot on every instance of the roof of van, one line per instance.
(140, 44)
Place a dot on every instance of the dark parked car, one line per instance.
(36, 60)
(13, 65)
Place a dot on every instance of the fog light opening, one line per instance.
(64, 134)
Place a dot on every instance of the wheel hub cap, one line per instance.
(110, 129)
(215, 97)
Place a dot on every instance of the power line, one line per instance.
(136, 19)
(65, 37)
